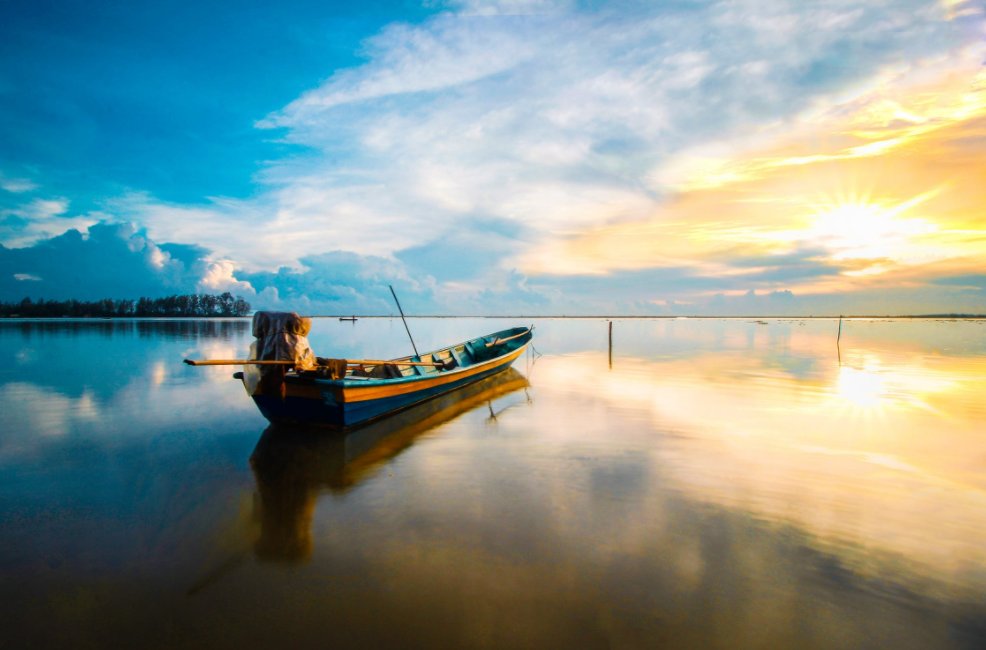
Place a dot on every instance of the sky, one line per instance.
(509, 157)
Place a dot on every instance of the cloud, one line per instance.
(900, 214)
(342, 282)
(405, 59)
(111, 260)
(508, 7)
(555, 154)
(974, 281)
(38, 219)
(472, 250)
(120, 261)
(901, 106)
(16, 185)
(227, 228)
(40, 209)
(219, 278)
(562, 121)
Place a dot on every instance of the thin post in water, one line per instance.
(404, 320)
(611, 344)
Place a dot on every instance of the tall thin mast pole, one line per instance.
(405, 321)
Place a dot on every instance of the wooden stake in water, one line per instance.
(838, 348)
(611, 344)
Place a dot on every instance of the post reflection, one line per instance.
(293, 465)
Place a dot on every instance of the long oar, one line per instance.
(349, 362)
(405, 321)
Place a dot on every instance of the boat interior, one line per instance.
(449, 359)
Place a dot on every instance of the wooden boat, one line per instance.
(351, 319)
(373, 389)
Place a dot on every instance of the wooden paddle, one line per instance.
(349, 362)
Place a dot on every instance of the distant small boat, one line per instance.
(349, 318)
(354, 393)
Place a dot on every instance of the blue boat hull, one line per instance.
(347, 403)
(327, 411)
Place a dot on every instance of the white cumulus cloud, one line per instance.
(219, 277)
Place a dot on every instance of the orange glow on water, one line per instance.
(882, 450)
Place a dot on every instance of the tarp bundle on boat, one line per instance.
(280, 336)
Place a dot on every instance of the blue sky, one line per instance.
(505, 157)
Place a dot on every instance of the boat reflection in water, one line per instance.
(294, 464)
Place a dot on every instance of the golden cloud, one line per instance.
(885, 185)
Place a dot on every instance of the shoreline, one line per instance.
(953, 317)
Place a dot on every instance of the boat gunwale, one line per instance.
(350, 383)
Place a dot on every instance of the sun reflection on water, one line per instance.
(861, 388)
(881, 453)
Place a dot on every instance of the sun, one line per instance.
(864, 227)
(857, 230)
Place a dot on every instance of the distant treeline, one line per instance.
(188, 305)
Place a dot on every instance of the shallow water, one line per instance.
(707, 483)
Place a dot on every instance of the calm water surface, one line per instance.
(711, 483)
